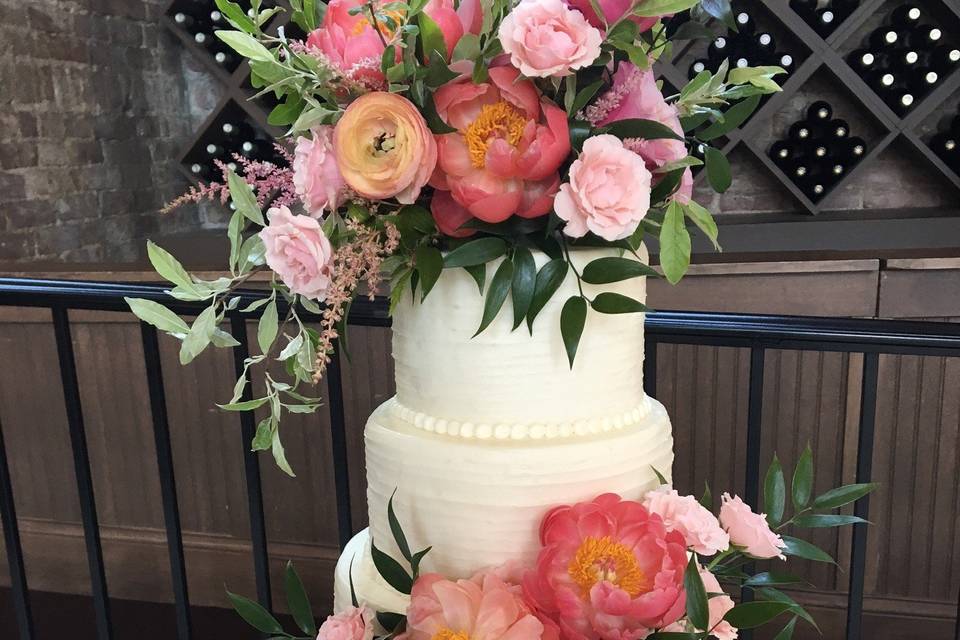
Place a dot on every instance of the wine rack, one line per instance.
(819, 57)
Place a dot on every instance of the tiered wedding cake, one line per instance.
(487, 433)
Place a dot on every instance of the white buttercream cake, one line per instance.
(486, 434)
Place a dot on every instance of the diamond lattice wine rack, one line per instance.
(886, 69)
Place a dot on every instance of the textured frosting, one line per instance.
(480, 503)
(510, 377)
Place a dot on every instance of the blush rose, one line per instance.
(548, 38)
(355, 623)
(299, 252)
(316, 175)
(749, 530)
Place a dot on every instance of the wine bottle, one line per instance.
(838, 129)
(782, 153)
(902, 61)
(215, 150)
(225, 59)
(200, 171)
(901, 100)
(250, 148)
(719, 49)
(800, 132)
(820, 111)
(745, 23)
(184, 21)
(764, 45)
(785, 62)
(837, 171)
(946, 146)
(862, 61)
(924, 37)
(805, 9)
(923, 81)
(942, 59)
(853, 151)
(697, 68)
(824, 22)
(217, 19)
(907, 15)
(882, 81)
(741, 62)
(204, 39)
(884, 38)
(843, 8)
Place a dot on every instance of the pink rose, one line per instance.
(641, 98)
(547, 38)
(718, 606)
(684, 193)
(750, 530)
(608, 570)
(299, 252)
(482, 608)
(698, 526)
(612, 11)
(315, 173)
(608, 193)
(352, 624)
(503, 158)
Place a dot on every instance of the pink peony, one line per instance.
(315, 173)
(483, 608)
(612, 11)
(637, 96)
(547, 38)
(749, 530)
(608, 570)
(684, 514)
(299, 252)
(509, 144)
(351, 624)
(608, 193)
(719, 605)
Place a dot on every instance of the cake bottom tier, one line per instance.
(479, 503)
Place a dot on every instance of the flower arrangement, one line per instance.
(656, 569)
(431, 134)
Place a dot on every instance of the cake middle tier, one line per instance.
(479, 501)
(506, 375)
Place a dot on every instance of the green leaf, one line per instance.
(774, 492)
(640, 128)
(199, 337)
(389, 621)
(416, 559)
(267, 328)
(718, 169)
(497, 294)
(479, 274)
(234, 231)
(803, 549)
(246, 405)
(704, 220)
(241, 194)
(292, 347)
(657, 8)
(610, 302)
(662, 480)
(169, 267)
(475, 252)
(674, 244)
(524, 281)
(279, 455)
(775, 595)
(755, 614)
(222, 340)
(467, 48)
(667, 186)
(698, 611)
(438, 73)
(706, 500)
(549, 279)
(772, 579)
(615, 269)
(159, 316)
(288, 112)
(236, 16)
(263, 438)
(254, 615)
(399, 537)
(787, 632)
(732, 118)
(825, 520)
(802, 485)
(843, 495)
(298, 602)
(573, 317)
(391, 571)
(429, 264)
(434, 121)
(586, 94)
(431, 37)
(246, 45)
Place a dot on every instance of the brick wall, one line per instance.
(95, 100)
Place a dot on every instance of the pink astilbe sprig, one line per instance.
(355, 262)
(610, 100)
(360, 78)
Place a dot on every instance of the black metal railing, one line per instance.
(755, 332)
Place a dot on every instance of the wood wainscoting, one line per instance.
(913, 551)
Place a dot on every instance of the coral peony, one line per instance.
(718, 605)
(635, 95)
(749, 530)
(547, 38)
(684, 514)
(384, 147)
(608, 193)
(355, 623)
(504, 157)
(316, 176)
(482, 608)
(608, 570)
(449, 215)
(299, 252)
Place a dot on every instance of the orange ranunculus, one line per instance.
(384, 147)
(509, 143)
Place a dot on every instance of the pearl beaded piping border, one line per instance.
(536, 431)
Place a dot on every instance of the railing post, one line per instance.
(858, 549)
(751, 490)
(81, 466)
(11, 539)
(168, 484)
(650, 367)
(338, 442)
(251, 463)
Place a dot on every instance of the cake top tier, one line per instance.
(508, 377)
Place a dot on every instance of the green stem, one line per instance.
(723, 555)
